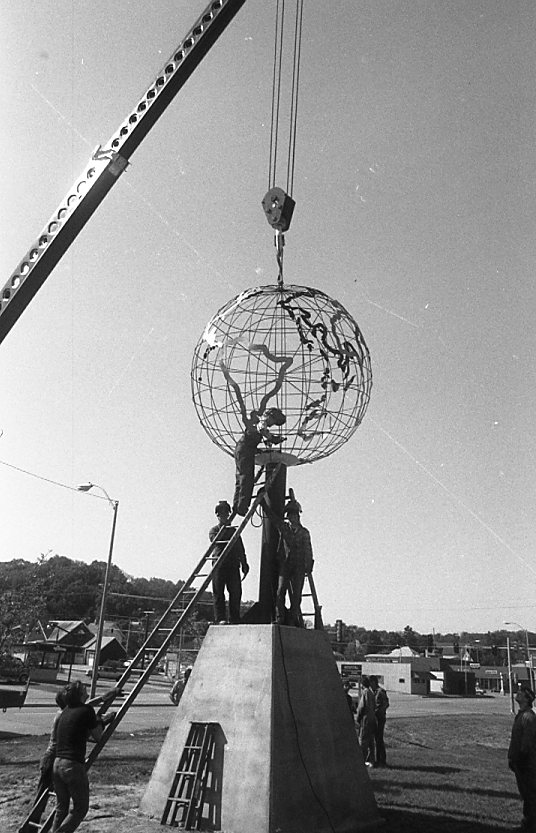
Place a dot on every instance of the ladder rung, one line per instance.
(188, 788)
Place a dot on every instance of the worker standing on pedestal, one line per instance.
(227, 575)
(295, 561)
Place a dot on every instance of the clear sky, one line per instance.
(415, 190)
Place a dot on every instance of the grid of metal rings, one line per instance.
(291, 347)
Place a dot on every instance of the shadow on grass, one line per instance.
(28, 762)
(13, 735)
(126, 759)
(380, 785)
(422, 821)
(440, 770)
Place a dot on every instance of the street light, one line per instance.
(529, 660)
(86, 487)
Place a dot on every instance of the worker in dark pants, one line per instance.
(227, 575)
(77, 722)
(295, 565)
(257, 429)
(178, 687)
(295, 561)
(349, 699)
(381, 701)
(366, 720)
(522, 756)
(47, 761)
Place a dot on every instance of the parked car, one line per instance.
(12, 669)
(111, 670)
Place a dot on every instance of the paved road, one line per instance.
(153, 709)
(407, 705)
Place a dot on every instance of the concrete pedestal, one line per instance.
(286, 758)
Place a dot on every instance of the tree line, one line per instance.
(354, 642)
(57, 587)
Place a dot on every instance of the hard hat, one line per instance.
(222, 506)
(293, 508)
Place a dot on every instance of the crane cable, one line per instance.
(282, 197)
(294, 103)
(276, 90)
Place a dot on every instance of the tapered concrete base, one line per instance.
(287, 759)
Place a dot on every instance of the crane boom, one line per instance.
(107, 163)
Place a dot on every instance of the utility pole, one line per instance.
(510, 680)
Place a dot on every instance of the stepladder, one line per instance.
(309, 614)
(311, 617)
(186, 799)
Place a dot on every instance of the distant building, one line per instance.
(110, 628)
(71, 635)
(59, 643)
(111, 649)
(70, 642)
(403, 670)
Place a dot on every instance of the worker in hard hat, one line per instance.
(295, 561)
(227, 575)
(257, 429)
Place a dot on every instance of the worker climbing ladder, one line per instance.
(172, 620)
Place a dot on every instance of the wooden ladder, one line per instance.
(314, 615)
(184, 805)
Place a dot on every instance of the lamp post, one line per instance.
(85, 487)
(529, 660)
(510, 678)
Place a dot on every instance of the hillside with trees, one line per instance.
(56, 587)
(59, 588)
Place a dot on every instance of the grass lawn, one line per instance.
(446, 774)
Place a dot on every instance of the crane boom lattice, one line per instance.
(107, 164)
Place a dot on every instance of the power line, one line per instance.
(48, 479)
(498, 604)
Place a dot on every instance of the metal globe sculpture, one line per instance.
(284, 346)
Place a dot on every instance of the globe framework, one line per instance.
(285, 346)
